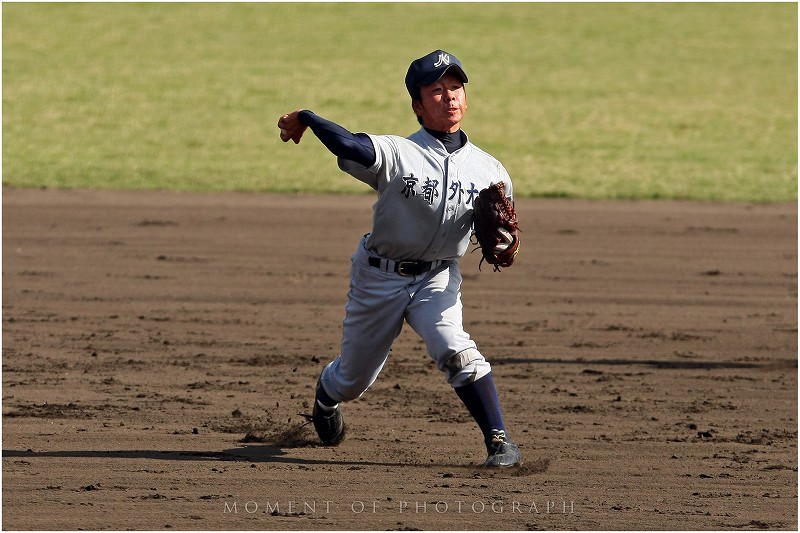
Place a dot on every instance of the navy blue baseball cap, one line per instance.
(430, 68)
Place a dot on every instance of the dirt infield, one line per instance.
(158, 347)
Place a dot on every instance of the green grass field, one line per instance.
(674, 101)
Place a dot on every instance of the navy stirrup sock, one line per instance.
(327, 403)
(480, 398)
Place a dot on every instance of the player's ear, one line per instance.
(416, 106)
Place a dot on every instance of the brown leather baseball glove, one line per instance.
(495, 226)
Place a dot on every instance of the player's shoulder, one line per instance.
(480, 157)
(421, 138)
(396, 141)
(479, 152)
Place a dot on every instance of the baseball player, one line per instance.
(406, 269)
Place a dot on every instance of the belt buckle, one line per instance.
(401, 266)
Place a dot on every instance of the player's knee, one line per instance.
(465, 367)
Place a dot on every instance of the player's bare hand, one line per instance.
(291, 127)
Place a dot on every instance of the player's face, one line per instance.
(442, 104)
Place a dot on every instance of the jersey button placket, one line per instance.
(447, 215)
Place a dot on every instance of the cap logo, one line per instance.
(444, 59)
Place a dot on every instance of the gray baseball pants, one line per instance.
(378, 304)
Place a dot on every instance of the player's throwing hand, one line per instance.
(291, 127)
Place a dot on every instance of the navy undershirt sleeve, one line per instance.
(342, 143)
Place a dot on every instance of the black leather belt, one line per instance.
(404, 268)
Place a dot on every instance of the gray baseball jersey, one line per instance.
(425, 195)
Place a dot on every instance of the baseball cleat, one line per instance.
(329, 426)
(502, 452)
